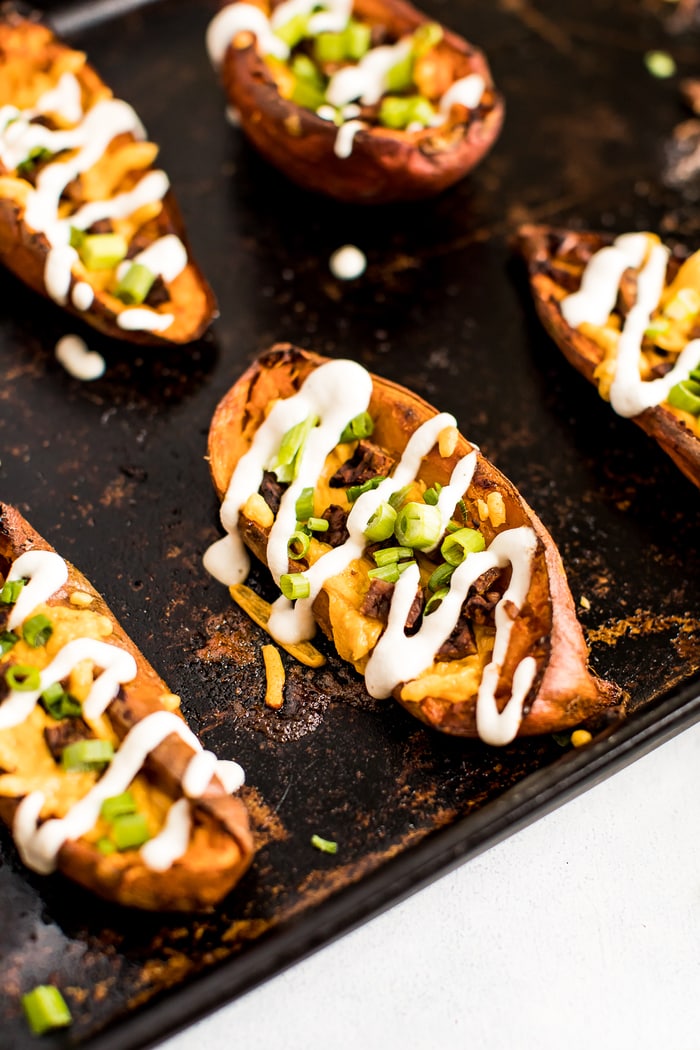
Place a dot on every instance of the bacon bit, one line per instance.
(81, 599)
(496, 508)
(274, 671)
(259, 612)
(580, 737)
(447, 441)
(258, 511)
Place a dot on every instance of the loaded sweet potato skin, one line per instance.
(34, 59)
(556, 259)
(220, 847)
(384, 165)
(564, 691)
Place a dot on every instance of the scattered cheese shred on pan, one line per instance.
(274, 672)
(259, 611)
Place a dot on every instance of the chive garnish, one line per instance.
(418, 525)
(45, 1008)
(102, 251)
(60, 704)
(381, 524)
(8, 639)
(22, 678)
(130, 831)
(304, 506)
(298, 544)
(359, 427)
(355, 491)
(295, 585)
(318, 524)
(118, 806)
(285, 465)
(459, 544)
(37, 630)
(11, 591)
(135, 285)
(324, 845)
(86, 755)
(389, 555)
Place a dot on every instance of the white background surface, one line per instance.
(580, 932)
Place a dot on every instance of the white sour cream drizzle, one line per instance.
(333, 392)
(80, 362)
(365, 81)
(166, 257)
(87, 142)
(39, 844)
(595, 301)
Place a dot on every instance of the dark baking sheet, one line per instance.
(113, 473)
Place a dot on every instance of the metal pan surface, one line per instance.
(113, 474)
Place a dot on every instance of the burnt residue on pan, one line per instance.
(113, 474)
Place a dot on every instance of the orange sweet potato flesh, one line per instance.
(557, 255)
(31, 61)
(385, 165)
(220, 848)
(565, 692)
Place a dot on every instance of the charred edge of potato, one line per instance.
(221, 847)
(384, 165)
(566, 692)
(24, 250)
(539, 245)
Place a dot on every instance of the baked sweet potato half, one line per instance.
(368, 101)
(85, 217)
(388, 529)
(625, 312)
(100, 777)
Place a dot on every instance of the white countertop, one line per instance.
(581, 931)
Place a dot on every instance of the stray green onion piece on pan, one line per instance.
(45, 1008)
(324, 845)
(660, 64)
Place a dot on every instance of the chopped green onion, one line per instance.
(695, 374)
(293, 30)
(392, 554)
(388, 573)
(76, 237)
(8, 639)
(86, 755)
(355, 491)
(458, 545)
(426, 37)
(361, 426)
(307, 95)
(45, 1008)
(381, 524)
(660, 64)
(432, 495)
(102, 251)
(435, 600)
(325, 845)
(105, 846)
(60, 704)
(37, 630)
(11, 591)
(398, 498)
(418, 525)
(441, 576)
(295, 585)
(130, 831)
(304, 506)
(659, 326)
(400, 76)
(304, 69)
(298, 544)
(135, 285)
(33, 158)
(686, 396)
(117, 806)
(394, 112)
(403, 565)
(358, 37)
(285, 464)
(22, 678)
(329, 47)
(318, 524)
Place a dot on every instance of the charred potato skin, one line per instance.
(24, 251)
(538, 245)
(223, 849)
(384, 166)
(566, 692)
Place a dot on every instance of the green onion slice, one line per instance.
(135, 285)
(388, 573)
(359, 427)
(418, 525)
(358, 37)
(102, 251)
(285, 464)
(441, 576)
(295, 585)
(435, 600)
(11, 591)
(105, 846)
(86, 755)
(381, 524)
(34, 157)
(298, 544)
(304, 506)
(426, 37)
(117, 806)
(457, 545)
(400, 76)
(8, 639)
(130, 831)
(329, 47)
(324, 845)
(45, 1008)
(22, 678)
(355, 491)
(388, 555)
(293, 31)
(432, 495)
(37, 630)
(318, 524)
(685, 395)
(60, 704)
(398, 498)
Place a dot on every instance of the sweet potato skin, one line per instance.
(566, 692)
(384, 165)
(536, 245)
(24, 250)
(221, 848)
